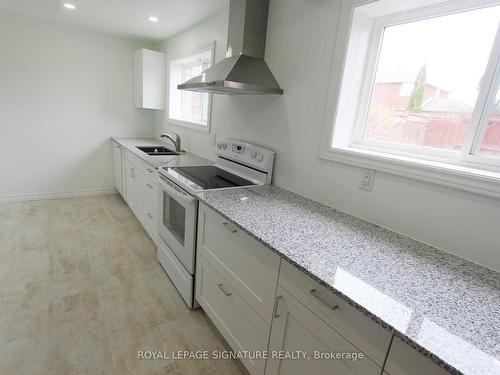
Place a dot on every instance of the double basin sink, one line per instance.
(157, 150)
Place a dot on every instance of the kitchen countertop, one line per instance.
(185, 159)
(444, 306)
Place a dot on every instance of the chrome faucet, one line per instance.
(176, 141)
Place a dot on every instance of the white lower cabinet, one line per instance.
(364, 333)
(118, 167)
(141, 192)
(237, 285)
(131, 185)
(404, 360)
(147, 205)
(240, 325)
(296, 329)
(251, 268)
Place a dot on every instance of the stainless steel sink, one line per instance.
(157, 150)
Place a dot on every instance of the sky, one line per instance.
(455, 49)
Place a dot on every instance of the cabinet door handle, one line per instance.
(150, 170)
(149, 186)
(226, 223)
(132, 172)
(315, 294)
(221, 287)
(149, 215)
(276, 305)
(118, 146)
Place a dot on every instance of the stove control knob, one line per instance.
(260, 157)
(253, 154)
(224, 146)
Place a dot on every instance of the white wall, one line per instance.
(299, 49)
(63, 92)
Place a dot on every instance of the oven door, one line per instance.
(177, 222)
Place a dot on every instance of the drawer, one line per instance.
(357, 328)
(405, 360)
(141, 164)
(250, 268)
(148, 202)
(242, 327)
(182, 280)
(295, 328)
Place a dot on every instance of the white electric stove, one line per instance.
(238, 164)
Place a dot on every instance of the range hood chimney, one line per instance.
(244, 70)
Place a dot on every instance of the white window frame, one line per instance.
(185, 123)
(355, 61)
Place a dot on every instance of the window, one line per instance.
(445, 63)
(490, 144)
(417, 85)
(188, 108)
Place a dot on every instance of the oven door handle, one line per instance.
(175, 192)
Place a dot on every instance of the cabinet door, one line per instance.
(149, 79)
(131, 186)
(118, 167)
(147, 204)
(296, 328)
(404, 360)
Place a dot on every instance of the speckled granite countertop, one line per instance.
(185, 159)
(444, 306)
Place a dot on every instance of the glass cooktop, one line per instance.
(208, 177)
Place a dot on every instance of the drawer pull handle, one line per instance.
(149, 186)
(276, 302)
(318, 297)
(149, 215)
(232, 230)
(221, 287)
(150, 170)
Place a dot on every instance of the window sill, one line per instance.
(453, 176)
(189, 125)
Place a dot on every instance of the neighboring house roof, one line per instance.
(446, 105)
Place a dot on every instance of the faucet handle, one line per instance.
(178, 140)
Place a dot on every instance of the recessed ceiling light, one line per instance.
(69, 6)
(153, 19)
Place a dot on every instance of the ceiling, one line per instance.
(123, 17)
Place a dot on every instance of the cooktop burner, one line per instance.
(209, 177)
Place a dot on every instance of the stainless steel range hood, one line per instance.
(244, 70)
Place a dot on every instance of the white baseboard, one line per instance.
(55, 195)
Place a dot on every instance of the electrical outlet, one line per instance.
(214, 139)
(367, 179)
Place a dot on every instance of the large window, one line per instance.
(422, 83)
(189, 108)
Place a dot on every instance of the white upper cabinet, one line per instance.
(149, 79)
